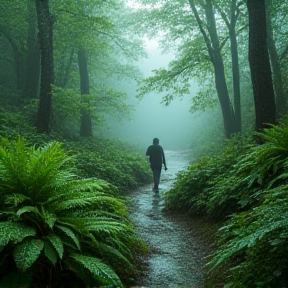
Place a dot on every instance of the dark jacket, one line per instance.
(156, 155)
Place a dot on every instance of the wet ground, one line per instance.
(176, 251)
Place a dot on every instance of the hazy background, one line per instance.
(173, 125)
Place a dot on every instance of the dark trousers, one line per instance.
(156, 174)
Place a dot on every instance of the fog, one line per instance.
(174, 125)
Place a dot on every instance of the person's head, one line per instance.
(155, 141)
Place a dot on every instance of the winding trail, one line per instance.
(176, 255)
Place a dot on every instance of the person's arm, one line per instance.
(164, 161)
(148, 151)
(148, 154)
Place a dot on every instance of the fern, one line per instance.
(48, 214)
(98, 269)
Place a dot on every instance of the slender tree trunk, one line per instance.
(19, 62)
(45, 35)
(235, 67)
(265, 110)
(86, 123)
(33, 55)
(213, 48)
(275, 64)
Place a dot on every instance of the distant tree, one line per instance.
(93, 36)
(33, 54)
(202, 41)
(45, 34)
(275, 63)
(86, 122)
(214, 49)
(230, 17)
(13, 30)
(265, 109)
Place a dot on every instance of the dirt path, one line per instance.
(176, 254)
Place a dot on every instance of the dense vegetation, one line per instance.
(244, 188)
(65, 66)
(63, 215)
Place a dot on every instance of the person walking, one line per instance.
(156, 156)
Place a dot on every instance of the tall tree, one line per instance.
(213, 48)
(195, 28)
(45, 34)
(275, 63)
(265, 109)
(86, 122)
(231, 25)
(33, 54)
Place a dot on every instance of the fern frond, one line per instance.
(98, 269)
(50, 252)
(115, 256)
(70, 234)
(57, 244)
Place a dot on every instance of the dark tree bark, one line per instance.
(231, 25)
(213, 47)
(45, 34)
(265, 109)
(235, 66)
(86, 123)
(19, 61)
(275, 64)
(33, 55)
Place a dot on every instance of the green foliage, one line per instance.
(255, 241)
(110, 160)
(194, 189)
(51, 222)
(68, 104)
(247, 183)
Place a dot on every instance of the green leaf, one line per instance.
(27, 209)
(57, 244)
(27, 252)
(50, 252)
(15, 232)
(98, 269)
(70, 234)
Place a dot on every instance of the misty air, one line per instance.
(143, 144)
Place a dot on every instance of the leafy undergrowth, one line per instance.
(57, 228)
(110, 160)
(63, 219)
(245, 188)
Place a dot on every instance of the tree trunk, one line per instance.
(213, 48)
(19, 62)
(33, 55)
(265, 110)
(86, 123)
(235, 67)
(45, 35)
(274, 59)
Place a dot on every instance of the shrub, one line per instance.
(255, 241)
(55, 226)
(195, 190)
